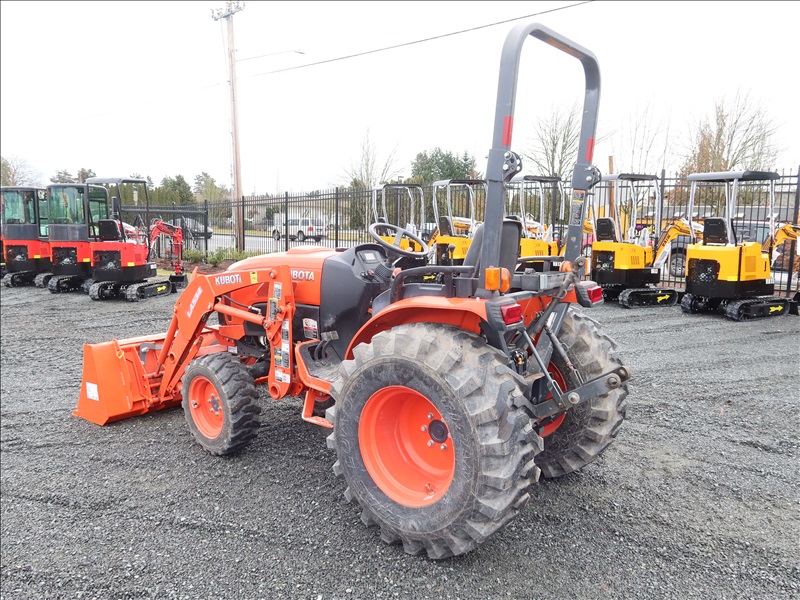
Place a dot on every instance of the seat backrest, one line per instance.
(446, 226)
(382, 231)
(510, 237)
(108, 230)
(715, 231)
(605, 231)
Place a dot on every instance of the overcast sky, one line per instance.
(142, 87)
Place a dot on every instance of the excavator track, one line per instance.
(148, 289)
(757, 308)
(64, 283)
(41, 280)
(103, 290)
(634, 297)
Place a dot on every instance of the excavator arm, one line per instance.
(159, 228)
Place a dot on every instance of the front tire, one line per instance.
(276, 235)
(429, 438)
(588, 428)
(219, 403)
(301, 236)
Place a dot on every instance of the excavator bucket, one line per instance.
(117, 380)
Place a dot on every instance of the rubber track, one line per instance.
(506, 443)
(41, 280)
(735, 310)
(132, 291)
(628, 298)
(96, 290)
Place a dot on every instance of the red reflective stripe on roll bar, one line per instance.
(589, 150)
(508, 125)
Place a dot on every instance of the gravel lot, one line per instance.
(697, 498)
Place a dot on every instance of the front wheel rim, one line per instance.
(406, 446)
(206, 407)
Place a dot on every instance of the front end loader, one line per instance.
(449, 389)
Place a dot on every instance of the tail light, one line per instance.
(511, 313)
(588, 293)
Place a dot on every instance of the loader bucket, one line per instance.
(178, 281)
(118, 380)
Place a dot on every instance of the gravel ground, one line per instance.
(697, 498)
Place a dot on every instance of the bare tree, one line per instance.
(739, 137)
(644, 142)
(17, 171)
(555, 145)
(370, 172)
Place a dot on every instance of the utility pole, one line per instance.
(237, 197)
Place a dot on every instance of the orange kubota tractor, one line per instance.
(447, 397)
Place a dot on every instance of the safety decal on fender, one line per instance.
(253, 276)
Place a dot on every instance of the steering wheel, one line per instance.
(400, 233)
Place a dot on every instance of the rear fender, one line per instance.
(466, 313)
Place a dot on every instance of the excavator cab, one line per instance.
(26, 252)
(75, 209)
(724, 274)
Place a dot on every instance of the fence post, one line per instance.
(336, 218)
(286, 221)
(663, 185)
(793, 245)
(205, 228)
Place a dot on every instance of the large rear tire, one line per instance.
(220, 403)
(587, 429)
(429, 438)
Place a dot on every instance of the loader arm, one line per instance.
(123, 378)
(207, 294)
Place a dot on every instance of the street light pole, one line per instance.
(238, 195)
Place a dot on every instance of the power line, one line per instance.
(430, 39)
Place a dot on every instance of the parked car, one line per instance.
(195, 228)
(303, 229)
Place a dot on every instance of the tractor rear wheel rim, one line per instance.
(406, 446)
(207, 411)
(556, 420)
